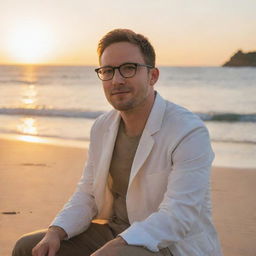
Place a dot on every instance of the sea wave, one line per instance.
(234, 141)
(13, 81)
(80, 113)
(47, 112)
(227, 117)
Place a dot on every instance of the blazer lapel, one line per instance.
(146, 143)
(101, 179)
(144, 148)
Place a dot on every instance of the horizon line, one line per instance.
(94, 65)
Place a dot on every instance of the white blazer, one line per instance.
(168, 197)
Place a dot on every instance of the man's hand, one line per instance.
(111, 248)
(50, 244)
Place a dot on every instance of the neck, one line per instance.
(135, 119)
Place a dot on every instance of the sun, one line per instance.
(30, 43)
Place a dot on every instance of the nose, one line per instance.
(117, 78)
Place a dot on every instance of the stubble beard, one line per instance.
(123, 105)
(130, 104)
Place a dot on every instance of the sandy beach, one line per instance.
(37, 179)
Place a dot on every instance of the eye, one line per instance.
(129, 67)
(106, 71)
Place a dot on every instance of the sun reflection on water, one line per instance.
(28, 98)
(28, 90)
(29, 138)
(27, 126)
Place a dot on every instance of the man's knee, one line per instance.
(27, 242)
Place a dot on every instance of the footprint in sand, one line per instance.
(34, 164)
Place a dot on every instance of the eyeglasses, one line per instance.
(126, 70)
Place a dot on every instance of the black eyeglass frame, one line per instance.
(118, 67)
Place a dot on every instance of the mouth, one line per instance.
(119, 92)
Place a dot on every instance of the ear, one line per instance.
(154, 76)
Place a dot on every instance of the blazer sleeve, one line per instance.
(77, 213)
(188, 184)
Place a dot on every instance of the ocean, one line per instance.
(62, 102)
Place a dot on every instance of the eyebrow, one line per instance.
(119, 65)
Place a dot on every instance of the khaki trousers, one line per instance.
(83, 244)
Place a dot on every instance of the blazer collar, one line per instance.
(146, 143)
(156, 116)
(154, 121)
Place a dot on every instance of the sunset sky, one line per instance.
(184, 32)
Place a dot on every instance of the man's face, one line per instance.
(126, 93)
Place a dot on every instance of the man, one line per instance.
(147, 173)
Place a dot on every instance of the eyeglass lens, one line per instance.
(126, 70)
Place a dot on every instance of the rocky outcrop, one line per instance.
(240, 59)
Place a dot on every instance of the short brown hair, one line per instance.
(127, 35)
